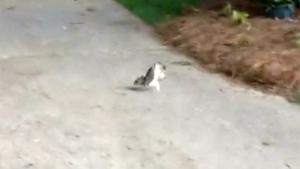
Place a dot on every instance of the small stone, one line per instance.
(29, 165)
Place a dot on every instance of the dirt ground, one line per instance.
(262, 53)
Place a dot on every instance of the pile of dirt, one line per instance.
(262, 54)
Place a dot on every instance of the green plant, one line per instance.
(227, 10)
(296, 40)
(237, 16)
(297, 43)
(157, 11)
(275, 3)
(279, 2)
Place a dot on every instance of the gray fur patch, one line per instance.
(149, 76)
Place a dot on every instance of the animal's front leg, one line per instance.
(157, 87)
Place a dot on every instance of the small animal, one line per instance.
(154, 74)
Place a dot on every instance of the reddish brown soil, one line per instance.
(263, 54)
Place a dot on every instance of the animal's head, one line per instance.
(160, 70)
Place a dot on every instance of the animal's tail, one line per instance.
(139, 81)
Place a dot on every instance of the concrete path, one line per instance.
(65, 68)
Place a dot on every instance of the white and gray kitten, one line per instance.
(151, 79)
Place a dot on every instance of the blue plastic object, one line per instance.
(282, 11)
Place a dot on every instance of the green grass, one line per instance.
(157, 11)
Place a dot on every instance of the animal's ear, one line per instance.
(164, 67)
(158, 63)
